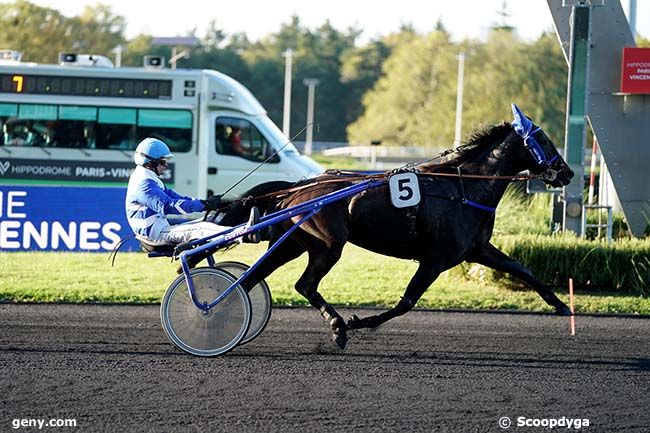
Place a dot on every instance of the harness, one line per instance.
(471, 203)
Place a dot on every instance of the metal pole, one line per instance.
(576, 124)
(632, 18)
(459, 98)
(592, 171)
(118, 56)
(286, 116)
(311, 84)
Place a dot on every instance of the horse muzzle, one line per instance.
(557, 178)
(549, 175)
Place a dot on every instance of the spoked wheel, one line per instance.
(209, 333)
(260, 297)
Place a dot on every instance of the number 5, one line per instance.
(403, 186)
(404, 190)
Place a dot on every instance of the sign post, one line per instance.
(576, 123)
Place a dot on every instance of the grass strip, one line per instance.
(360, 278)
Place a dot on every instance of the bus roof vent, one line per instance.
(74, 59)
(154, 62)
(10, 56)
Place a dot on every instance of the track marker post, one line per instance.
(572, 318)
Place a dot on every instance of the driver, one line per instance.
(149, 201)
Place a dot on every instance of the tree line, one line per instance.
(399, 88)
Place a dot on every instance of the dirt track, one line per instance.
(111, 368)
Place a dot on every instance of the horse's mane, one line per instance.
(480, 141)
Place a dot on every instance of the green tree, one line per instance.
(414, 101)
(42, 33)
(360, 70)
(97, 30)
(504, 15)
(317, 54)
(544, 77)
(411, 102)
(39, 33)
(493, 79)
(136, 49)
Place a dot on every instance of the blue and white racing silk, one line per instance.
(148, 200)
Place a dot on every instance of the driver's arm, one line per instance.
(167, 201)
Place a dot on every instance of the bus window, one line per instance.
(20, 123)
(13, 132)
(71, 112)
(36, 125)
(174, 127)
(116, 128)
(36, 111)
(239, 137)
(78, 128)
(6, 111)
(86, 127)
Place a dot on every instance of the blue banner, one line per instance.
(55, 218)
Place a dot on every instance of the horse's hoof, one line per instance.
(563, 310)
(339, 336)
(354, 322)
(341, 339)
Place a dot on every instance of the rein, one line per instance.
(355, 176)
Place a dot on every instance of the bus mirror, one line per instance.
(154, 62)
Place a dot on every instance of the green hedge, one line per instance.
(622, 266)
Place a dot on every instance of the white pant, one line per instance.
(197, 229)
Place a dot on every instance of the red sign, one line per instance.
(635, 75)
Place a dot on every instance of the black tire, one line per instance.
(260, 297)
(200, 334)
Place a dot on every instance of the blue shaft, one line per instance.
(268, 252)
(308, 209)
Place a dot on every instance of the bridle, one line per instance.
(535, 149)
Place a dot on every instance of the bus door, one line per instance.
(238, 147)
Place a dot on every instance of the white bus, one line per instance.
(68, 133)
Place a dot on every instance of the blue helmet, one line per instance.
(150, 149)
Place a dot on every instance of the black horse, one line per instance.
(452, 223)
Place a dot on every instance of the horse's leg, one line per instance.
(321, 260)
(423, 278)
(284, 253)
(488, 255)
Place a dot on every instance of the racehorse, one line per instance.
(452, 223)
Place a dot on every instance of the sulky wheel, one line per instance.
(260, 297)
(210, 333)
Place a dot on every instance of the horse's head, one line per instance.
(542, 156)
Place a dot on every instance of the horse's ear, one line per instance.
(521, 123)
